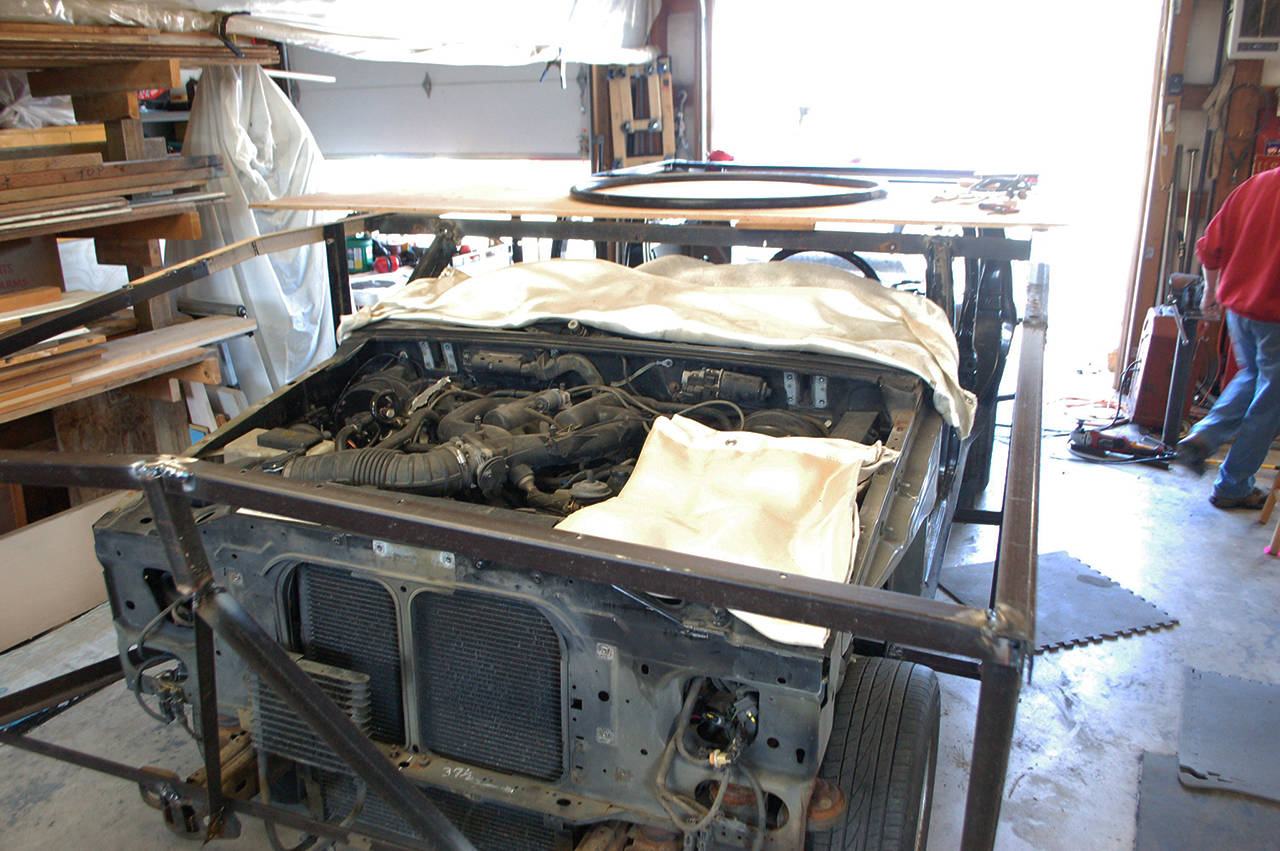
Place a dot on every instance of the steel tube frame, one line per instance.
(998, 640)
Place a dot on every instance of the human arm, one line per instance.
(1209, 298)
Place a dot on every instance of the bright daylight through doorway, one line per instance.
(1059, 89)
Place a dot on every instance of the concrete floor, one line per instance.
(1083, 721)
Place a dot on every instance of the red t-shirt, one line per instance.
(1243, 241)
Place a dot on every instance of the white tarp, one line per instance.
(268, 153)
(786, 504)
(779, 306)
(479, 32)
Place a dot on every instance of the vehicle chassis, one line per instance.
(992, 645)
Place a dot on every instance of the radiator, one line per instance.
(350, 622)
(488, 683)
(277, 729)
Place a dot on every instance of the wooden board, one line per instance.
(74, 134)
(30, 297)
(134, 358)
(70, 299)
(64, 344)
(107, 77)
(85, 174)
(128, 184)
(108, 106)
(138, 212)
(53, 365)
(29, 164)
(906, 204)
(173, 226)
(26, 386)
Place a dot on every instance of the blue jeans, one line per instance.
(1248, 409)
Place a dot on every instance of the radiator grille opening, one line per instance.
(350, 622)
(490, 827)
(489, 683)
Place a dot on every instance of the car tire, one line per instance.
(882, 755)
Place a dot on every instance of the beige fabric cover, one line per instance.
(786, 504)
(778, 306)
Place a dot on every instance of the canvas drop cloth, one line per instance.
(269, 153)
(780, 306)
(786, 504)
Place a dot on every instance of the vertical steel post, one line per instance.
(939, 281)
(992, 740)
(192, 575)
(335, 246)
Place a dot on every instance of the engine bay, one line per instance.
(540, 428)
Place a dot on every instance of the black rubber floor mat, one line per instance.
(1172, 817)
(1075, 604)
(1228, 739)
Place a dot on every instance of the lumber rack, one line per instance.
(992, 646)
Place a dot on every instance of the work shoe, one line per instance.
(1252, 501)
(1192, 454)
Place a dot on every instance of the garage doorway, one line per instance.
(1062, 90)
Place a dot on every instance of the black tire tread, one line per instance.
(883, 709)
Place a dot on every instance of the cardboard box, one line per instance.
(49, 573)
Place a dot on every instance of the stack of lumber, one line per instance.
(83, 363)
(34, 45)
(74, 193)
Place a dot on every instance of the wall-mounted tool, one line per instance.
(641, 115)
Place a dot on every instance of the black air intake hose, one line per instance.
(543, 368)
(438, 472)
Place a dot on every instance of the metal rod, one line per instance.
(1016, 556)
(992, 739)
(218, 611)
(1187, 236)
(1179, 377)
(986, 247)
(79, 683)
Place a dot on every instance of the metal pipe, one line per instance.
(1187, 251)
(1016, 557)
(992, 740)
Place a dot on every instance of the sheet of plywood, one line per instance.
(70, 299)
(129, 359)
(905, 204)
(49, 573)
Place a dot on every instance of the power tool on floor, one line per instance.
(1095, 444)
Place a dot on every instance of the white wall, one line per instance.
(382, 108)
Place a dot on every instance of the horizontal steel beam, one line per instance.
(43, 326)
(985, 247)
(868, 612)
(78, 683)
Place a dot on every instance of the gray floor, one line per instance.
(1083, 721)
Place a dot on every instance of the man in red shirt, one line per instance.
(1240, 251)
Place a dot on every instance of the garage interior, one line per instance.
(190, 140)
